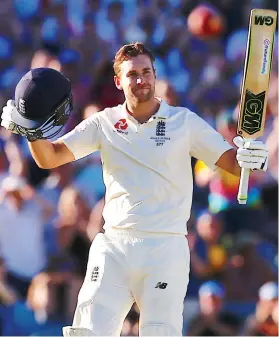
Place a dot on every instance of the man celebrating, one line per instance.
(146, 148)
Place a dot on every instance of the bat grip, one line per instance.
(243, 186)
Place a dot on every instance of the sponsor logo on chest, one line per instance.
(121, 126)
(160, 136)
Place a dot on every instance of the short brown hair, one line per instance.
(128, 51)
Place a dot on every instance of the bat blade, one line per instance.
(255, 83)
(256, 74)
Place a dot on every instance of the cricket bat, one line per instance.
(255, 83)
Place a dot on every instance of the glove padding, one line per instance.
(8, 123)
(251, 155)
(6, 117)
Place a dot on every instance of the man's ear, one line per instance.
(117, 83)
(155, 74)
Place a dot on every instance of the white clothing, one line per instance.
(147, 167)
(127, 266)
(22, 240)
(143, 256)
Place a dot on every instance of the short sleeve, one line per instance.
(84, 139)
(206, 143)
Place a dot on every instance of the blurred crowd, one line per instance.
(48, 218)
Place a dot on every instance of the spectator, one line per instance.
(58, 179)
(72, 241)
(103, 85)
(212, 319)
(44, 59)
(49, 306)
(209, 256)
(8, 295)
(96, 220)
(17, 161)
(23, 215)
(264, 322)
(90, 109)
(243, 276)
(165, 91)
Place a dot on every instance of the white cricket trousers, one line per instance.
(127, 266)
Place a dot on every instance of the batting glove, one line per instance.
(251, 155)
(6, 117)
(8, 123)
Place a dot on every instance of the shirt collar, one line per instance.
(163, 111)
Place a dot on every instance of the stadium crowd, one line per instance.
(48, 218)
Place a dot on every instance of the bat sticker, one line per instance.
(252, 112)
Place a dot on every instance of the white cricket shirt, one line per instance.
(147, 167)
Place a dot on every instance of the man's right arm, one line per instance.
(83, 140)
(48, 155)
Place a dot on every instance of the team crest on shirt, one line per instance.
(160, 137)
(121, 126)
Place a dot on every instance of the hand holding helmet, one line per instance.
(6, 117)
(42, 105)
(8, 123)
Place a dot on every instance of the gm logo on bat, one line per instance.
(263, 20)
(252, 112)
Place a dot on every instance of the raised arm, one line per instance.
(78, 143)
(42, 105)
(49, 154)
(46, 154)
(209, 146)
(228, 162)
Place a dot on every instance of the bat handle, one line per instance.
(243, 186)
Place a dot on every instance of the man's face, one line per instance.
(137, 79)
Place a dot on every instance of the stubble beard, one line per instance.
(143, 97)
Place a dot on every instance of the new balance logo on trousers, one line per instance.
(161, 285)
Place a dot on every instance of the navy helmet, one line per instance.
(43, 98)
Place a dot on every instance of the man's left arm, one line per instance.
(209, 146)
(228, 162)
